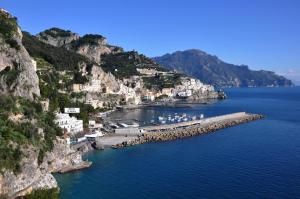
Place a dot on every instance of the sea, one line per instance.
(260, 159)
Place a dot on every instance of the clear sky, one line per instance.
(264, 34)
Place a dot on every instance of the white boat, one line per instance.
(185, 119)
(201, 116)
(160, 118)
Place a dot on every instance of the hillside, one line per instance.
(91, 47)
(31, 146)
(211, 70)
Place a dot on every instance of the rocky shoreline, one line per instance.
(193, 130)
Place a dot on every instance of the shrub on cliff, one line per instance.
(124, 64)
(8, 28)
(57, 32)
(43, 194)
(20, 121)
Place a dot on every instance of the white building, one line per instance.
(70, 124)
(189, 86)
(93, 137)
(186, 93)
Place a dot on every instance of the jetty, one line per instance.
(167, 132)
(222, 118)
(133, 135)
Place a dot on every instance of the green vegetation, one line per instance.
(164, 96)
(89, 39)
(124, 64)
(160, 81)
(23, 130)
(10, 75)
(49, 88)
(43, 194)
(59, 57)
(8, 28)
(57, 32)
(42, 64)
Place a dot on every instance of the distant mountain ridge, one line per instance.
(211, 70)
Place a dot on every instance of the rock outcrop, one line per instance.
(107, 79)
(208, 95)
(34, 176)
(17, 69)
(57, 37)
(90, 45)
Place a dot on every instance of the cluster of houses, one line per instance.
(186, 89)
(132, 92)
(72, 126)
(191, 85)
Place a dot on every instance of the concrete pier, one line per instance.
(191, 128)
(205, 121)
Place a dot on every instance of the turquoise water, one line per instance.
(260, 159)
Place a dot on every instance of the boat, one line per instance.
(163, 121)
(160, 118)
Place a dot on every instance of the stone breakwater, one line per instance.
(188, 131)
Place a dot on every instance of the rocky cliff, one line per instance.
(57, 37)
(211, 70)
(90, 45)
(106, 78)
(30, 149)
(38, 176)
(17, 69)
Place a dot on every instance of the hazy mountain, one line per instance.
(210, 69)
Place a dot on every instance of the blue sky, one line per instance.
(264, 34)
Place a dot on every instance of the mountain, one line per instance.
(211, 70)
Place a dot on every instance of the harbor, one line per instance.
(132, 135)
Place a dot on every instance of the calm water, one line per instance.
(255, 160)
